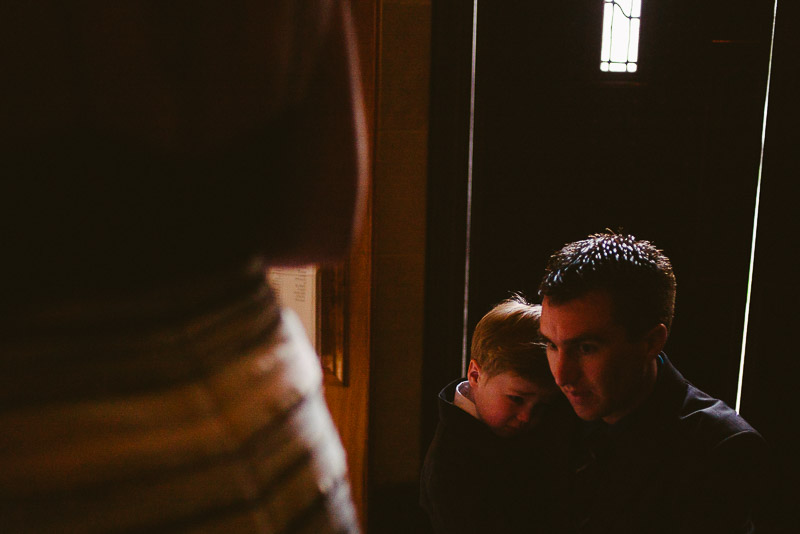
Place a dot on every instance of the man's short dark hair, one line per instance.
(636, 274)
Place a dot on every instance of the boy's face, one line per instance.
(505, 401)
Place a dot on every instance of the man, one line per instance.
(651, 453)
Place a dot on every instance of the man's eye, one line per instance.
(516, 399)
(587, 348)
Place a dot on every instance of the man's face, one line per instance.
(602, 372)
(506, 402)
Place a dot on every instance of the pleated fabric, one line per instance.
(197, 409)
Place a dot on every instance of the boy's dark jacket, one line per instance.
(475, 481)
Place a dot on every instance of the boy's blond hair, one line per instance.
(507, 339)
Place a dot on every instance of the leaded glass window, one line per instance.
(619, 51)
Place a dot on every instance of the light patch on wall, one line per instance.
(297, 288)
(619, 51)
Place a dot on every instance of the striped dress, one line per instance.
(193, 409)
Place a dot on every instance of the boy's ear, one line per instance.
(473, 373)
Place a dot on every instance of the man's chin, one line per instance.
(584, 412)
(510, 432)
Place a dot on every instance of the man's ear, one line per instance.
(655, 339)
(473, 373)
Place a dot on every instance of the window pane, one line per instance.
(619, 49)
(636, 9)
(633, 45)
(605, 49)
(620, 30)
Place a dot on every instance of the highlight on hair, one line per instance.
(507, 338)
(636, 274)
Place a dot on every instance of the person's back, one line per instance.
(156, 158)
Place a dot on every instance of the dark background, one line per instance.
(670, 154)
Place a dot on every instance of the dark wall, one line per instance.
(448, 171)
(551, 132)
(669, 154)
(772, 366)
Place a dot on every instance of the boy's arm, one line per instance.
(443, 481)
(463, 490)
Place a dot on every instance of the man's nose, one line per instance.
(564, 369)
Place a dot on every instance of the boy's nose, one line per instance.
(524, 415)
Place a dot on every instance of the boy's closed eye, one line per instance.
(516, 399)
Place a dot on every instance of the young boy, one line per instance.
(485, 468)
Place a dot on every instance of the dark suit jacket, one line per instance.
(683, 463)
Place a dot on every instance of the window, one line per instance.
(619, 51)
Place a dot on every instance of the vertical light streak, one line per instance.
(755, 218)
(465, 316)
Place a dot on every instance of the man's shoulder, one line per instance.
(705, 412)
(711, 425)
(706, 421)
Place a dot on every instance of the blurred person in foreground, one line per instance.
(157, 158)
